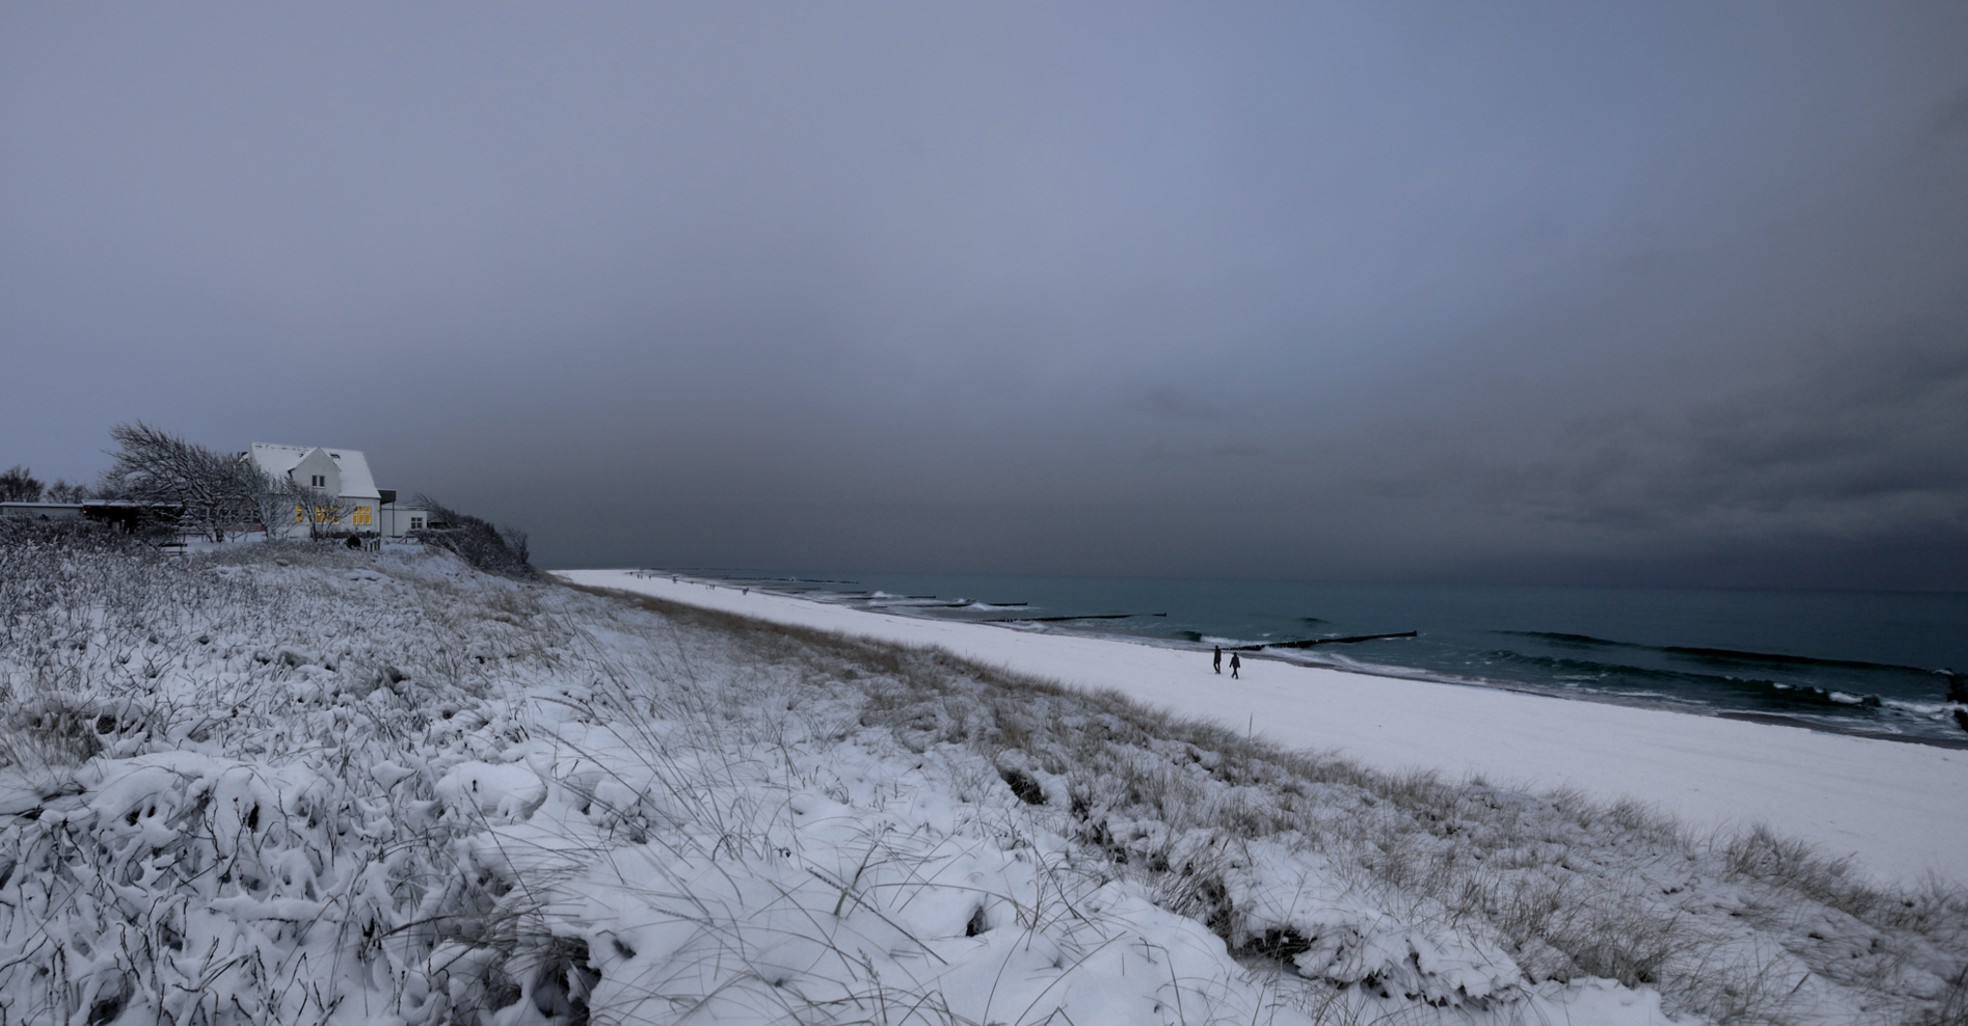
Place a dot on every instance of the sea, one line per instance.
(1869, 663)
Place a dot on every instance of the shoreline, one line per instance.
(1779, 720)
(1898, 810)
(1663, 703)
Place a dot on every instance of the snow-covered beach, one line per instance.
(283, 783)
(1899, 810)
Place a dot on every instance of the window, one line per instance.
(300, 514)
(361, 517)
(416, 523)
(318, 481)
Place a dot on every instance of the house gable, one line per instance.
(317, 471)
(347, 470)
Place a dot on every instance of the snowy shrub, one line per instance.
(25, 535)
(204, 826)
(478, 542)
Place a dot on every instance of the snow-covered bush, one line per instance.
(220, 800)
(477, 541)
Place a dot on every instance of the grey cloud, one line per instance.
(1319, 290)
(1864, 443)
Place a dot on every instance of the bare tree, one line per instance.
(153, 466)
(64, 491)
(281, 503)
(274, 499)
(18, 484)
(518, 544)
(324, 512)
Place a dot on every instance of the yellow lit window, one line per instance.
(361, 517)
(300, 514)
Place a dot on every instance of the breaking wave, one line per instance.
(1710, 687)
(1717, 656)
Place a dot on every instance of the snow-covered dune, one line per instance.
(1899, 810)
(287, 784)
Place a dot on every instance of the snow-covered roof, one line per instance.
(279, 460)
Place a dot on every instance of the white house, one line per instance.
(350, 501)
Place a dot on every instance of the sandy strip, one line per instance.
(1899, 810)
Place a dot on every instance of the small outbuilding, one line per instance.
(40, 510)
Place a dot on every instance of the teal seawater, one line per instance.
(1857, 661)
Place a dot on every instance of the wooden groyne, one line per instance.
(1310, 642)
(1068, 619)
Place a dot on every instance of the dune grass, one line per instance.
(1742, 927)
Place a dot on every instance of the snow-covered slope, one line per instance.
(290, 785)
(1900, 811)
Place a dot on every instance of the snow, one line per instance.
(1898, 810)
(279, 460)
(505, 792)
(281, 783)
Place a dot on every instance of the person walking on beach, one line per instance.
(1216, 661)
(1235, 663)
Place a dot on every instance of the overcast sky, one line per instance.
(1641, 293)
